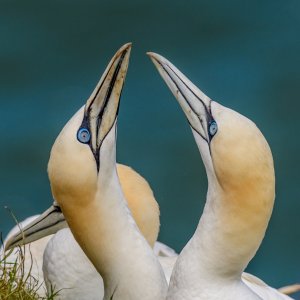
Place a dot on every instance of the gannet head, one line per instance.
(74, 162)
(235, 153)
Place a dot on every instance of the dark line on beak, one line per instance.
(110, 88)
(122, 57)
(208, 112)
(92, 102)
(183, 95)
(198, 132)
(57, 210)
(106, 101)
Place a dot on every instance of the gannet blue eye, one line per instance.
(83, 135)
(213, 128)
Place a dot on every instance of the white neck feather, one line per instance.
(227, 237)
(112, 240)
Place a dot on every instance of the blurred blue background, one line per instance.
(244, 54)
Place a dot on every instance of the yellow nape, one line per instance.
(244, 166)
(241, 156)
(244, 169)
(141, 202)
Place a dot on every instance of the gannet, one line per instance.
(86, 187)
(240, 198)
(65, 267)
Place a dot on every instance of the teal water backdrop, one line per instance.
(244, 54)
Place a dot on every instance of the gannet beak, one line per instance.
(47, 223)
(195, 104)
(101, 108)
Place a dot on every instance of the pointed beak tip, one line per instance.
(152, 55)
(124, 50)
(5, 248)
(158, 60)
(8, 245)
(125, 47)
(128, 45)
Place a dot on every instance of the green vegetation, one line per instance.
(15, 284)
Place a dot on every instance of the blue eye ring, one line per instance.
(213, 128)
(83, 135)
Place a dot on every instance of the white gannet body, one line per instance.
(86, 187)
(240, 197)
(69, 270)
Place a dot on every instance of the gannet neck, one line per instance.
(241, 192)
(240, 197)
(110, 237)
(227, 237)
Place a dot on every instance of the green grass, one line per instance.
(15, 284)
